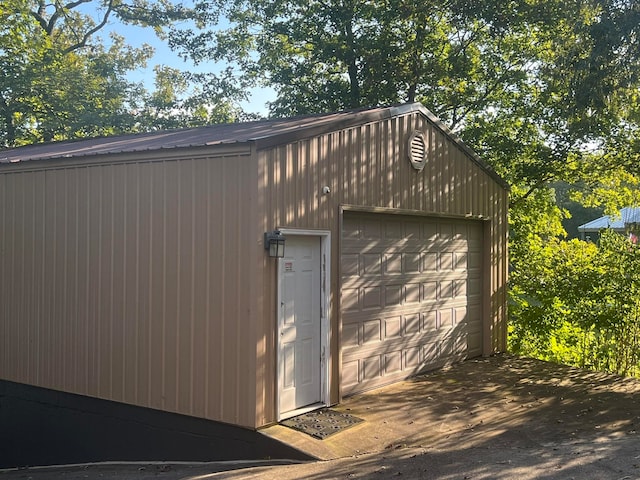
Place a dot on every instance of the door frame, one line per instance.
(325, 319)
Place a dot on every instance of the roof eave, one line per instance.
(150, 155)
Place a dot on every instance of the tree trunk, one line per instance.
(352, 64)
(10, 128)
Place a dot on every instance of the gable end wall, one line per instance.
(367, 167)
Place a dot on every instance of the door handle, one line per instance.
(281, 318)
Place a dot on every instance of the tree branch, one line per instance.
(61, 11)
(533, 188)
(89, 33)
(39, 16)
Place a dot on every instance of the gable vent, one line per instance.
(417, 150)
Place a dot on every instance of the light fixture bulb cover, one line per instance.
(274, 242)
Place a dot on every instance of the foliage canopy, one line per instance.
(59, 79)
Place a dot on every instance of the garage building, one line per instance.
(138, 268)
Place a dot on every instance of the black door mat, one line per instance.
(322, 423)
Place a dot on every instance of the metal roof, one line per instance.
(263, 134)
(626, 216)
(218, 134)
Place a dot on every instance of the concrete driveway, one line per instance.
(496, 418)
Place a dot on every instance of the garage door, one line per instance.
(411, 296)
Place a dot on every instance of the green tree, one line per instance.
(576, 302)
(55, 85)
(59, 79)
(183, 99)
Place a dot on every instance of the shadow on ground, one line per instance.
(500, 418)
(542, 401)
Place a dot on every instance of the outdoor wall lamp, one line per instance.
(274, 242)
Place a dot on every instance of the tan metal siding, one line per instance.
(367, 166)
(126, 281)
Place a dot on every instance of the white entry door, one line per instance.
(299, 324)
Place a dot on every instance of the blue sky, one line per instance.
(137, 36)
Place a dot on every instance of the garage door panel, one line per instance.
(393, 229)
(350, 264)
(393, 363)
(430, 353)
(446, 231)
(461, 315)
(430, 321)
(350, 375)
(369, 229)
(407, 290)
(411, 296)
(411, 263)
(383, 229)
(447, 261)
(430, 262)
(430, 232)
(411, 324)
(425, 309)
(393, 263)
(376, 371)
(412, 293)
(376, 281)
(369, 348)
(474, 287)
(473, 329)
(402, 328)
(392, 327)
(474, 260)
(371, 332)
(461, 261)
(371, 264)
(416, 245)
(447, 318)
(430, 291)
(460, 288)
(372, 368)
(447, 289)
(393, 295)
(376, 261)
(372, 297)
(350, 300)
(411, 358)
(351, 335)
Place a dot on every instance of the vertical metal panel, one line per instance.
(368, 166)
(126, 281)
